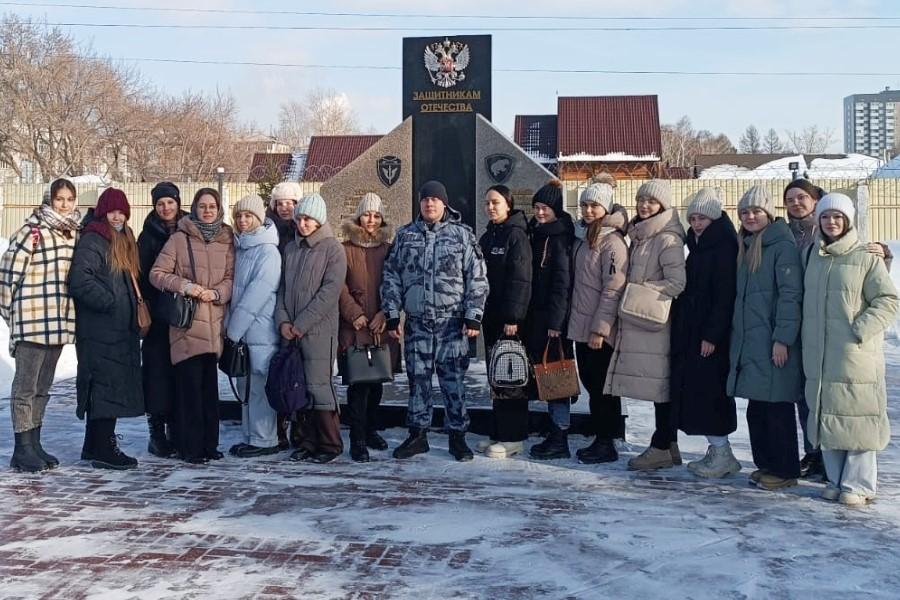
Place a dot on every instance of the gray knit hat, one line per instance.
(757, 197)
(313, 206)
(252, 204)
(598, 193)
(370, 202)
(658, 189)
(704, 202)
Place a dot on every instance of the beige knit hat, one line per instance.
(758, 197)
(286, 190)
(370, 202)
(658, 189)
(704, 202)
(252, 204)
(598, 193)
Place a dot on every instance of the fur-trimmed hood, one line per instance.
(357, 236)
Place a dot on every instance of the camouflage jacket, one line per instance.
(435, 272)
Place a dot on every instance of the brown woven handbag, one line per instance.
(556, 380)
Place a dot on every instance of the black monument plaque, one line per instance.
(446, 82)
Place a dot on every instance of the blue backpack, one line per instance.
(286, 382)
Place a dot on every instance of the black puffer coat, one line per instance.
(286, 229)
(158, 373)
(703, 311)
(507, 253)
(551, 285)
(107, 341)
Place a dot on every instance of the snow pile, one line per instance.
(609, 157)
(852, 166)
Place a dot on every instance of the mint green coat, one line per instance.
(849, 302)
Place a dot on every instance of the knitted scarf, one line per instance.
(54, 220)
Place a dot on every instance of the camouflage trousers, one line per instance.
(436, 345)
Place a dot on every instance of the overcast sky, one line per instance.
(718, 103)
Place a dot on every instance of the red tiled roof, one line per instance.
(601, 125)
(536, 134)
(263, 163)
(328, 154)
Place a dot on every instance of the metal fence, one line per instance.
(17, 201)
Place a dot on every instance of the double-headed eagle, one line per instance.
(446, 61)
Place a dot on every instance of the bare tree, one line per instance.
(681, 144)
(321, 112)
(750, 141)
(771, 144)
(811, 139)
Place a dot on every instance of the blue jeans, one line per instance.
(559, 413)
(803, 415)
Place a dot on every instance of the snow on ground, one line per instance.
(851, 167)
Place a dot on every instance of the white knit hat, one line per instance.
(838, 202)
(313, 206)
(757, 197)
(252, 204)
(598, 193)
(705, 202)
(370, 202)
(658, 189)
(286, 190)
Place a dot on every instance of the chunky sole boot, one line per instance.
(721, 463)
(601, 451)
(504, 449)
(651, 459)
(483, 445)
(458, 447)
(771, 482)
(375, 441)
(851, 499)
(416, 443)
(25, 457)
(111, 457)
(359, 452)
(158, 444)
(300, 454)
(249, 451)
(52, 461)
(556, 445)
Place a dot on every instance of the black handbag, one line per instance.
(235, 359)
(177, 308)
(367, 364)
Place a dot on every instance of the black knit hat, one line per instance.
(804, 184)
(551, 195)
(166, 189)
(433, 189)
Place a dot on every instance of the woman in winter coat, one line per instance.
(552, 233)
(701, 327)
(157, 370)
(315, 269)
(251, 319)
(765, 335)
(103, 284)
(507, 254)
(600, 265)
(280, 211)
(194, 351)
(640, 364)
(367, 242)
(848, 304)
(34, 302)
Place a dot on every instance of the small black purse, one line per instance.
(235, 359)
(178, 309)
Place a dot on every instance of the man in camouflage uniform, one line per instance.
(435, 273)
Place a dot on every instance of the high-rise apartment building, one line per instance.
(871, 123)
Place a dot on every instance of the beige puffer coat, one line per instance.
(849, 302)
(215, 269)
(599, 281)
(640, 364)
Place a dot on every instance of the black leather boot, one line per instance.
(555, 445)
(416, 443)
(158, 444)
(48, 458)
(105, 447)
(25, 457)
(358, 451)
(600, 451)
(458, 447)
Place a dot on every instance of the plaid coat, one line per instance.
(34, 296)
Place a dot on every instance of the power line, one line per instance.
(432, 16)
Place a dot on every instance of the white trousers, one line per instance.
(853, 471)
(258, 420)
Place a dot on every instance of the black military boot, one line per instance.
(48, 458)
(375, 441)
(158, 444)
(458, 447)
(25, 457)
(105, 447)
(555, 445)
(416, 443)
(600, 451)
(358, 451)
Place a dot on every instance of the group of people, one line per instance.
(778, 312)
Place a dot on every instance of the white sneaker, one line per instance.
(851, 499)
(831, 492)
(703, 462)
(483, 445)
(722, 463)
(504, 449)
